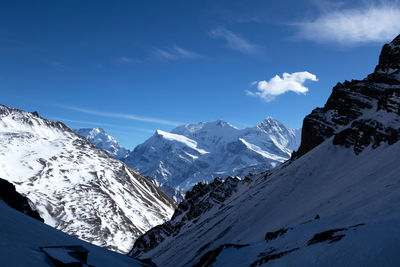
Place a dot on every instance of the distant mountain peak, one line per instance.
(94, 131)
(214, 129)
(100, 138)
(271, 125)
(159, 132)
(269, 118)
(222, 123)
(195, 127)
(269, 121)
(199, 152)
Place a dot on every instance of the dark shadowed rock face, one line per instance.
(200, 199)
(342, 115)
(16, 201)
(389, 60)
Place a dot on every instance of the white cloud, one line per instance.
(120, 115)
(268, 90)
(175, 52)
(353, 26)
(234, 41)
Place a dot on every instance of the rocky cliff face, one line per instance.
(335, 203)
(16, 201)
(199, 200)
(75, 186)
(354, 110)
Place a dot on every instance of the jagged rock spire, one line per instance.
(349, 101)
(389, 59)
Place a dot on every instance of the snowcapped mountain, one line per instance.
(75, 186)
(22, 237)
(335, 203)
(102, 139)
(198, 152)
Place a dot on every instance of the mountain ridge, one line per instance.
(202, 151)
(75, 186)
(334, 203)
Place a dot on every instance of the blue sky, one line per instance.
(132, 67)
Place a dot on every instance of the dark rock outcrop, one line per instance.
(329, 235)
(200, 199)
(342, 115)
(273, 235)
(270, 257)
(16, 201)
(389, 58)
(210, 257)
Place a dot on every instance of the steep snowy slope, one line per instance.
(21, 238)
(334, 204)
(76, 187)
(200, 152)
(102, 139)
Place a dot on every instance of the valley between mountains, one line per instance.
(334, 203)
(175, 161)
(233, 197)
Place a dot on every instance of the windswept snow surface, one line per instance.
(22, 236)
(200, 152)
(357, 192)
(182, 140)
(76, 187)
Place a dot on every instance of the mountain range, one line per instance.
(331, 202)
(200, 152)
(335, 203)
(74, 186)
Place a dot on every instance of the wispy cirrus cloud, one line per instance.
(125, 60)
(174, 53)
(169, 53)
(120, 115)
(234, 41)
(56, 65)
(294, 82)
(356, 26)
(101, 124)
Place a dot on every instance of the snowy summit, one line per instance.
(102, 139)
(200, 152)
